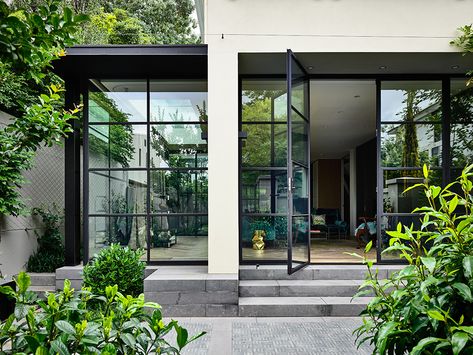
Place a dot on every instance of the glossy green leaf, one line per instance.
(468, 266)
(65, 327)
(436, 315)
(459, 340)
(422, 344)
(464, 291)
(429, 263)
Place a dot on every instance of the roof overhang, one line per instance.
(123, 61)
(350, 63)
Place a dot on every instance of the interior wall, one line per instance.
(329, 181)
(366, 179)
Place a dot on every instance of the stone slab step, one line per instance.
(300, 288)
(43, 279)
(41, 290)
(314, 272)
(301, 306)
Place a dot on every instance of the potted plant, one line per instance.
(7, 302)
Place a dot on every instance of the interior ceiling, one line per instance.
(343, 116)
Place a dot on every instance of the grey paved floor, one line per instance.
(255, 336)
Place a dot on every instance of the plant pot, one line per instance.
(7, 305)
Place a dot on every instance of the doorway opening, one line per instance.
(342, 179)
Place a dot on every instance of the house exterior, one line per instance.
(178, 159)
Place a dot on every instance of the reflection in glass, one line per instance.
(411, 101)
(179, 237)
(396, 182)
(178, 101)
(411, 145)
(275, 237)
(259, 149)
(264, 191)
(179, 191)
(300, 191)
(117, 192)
(264, 100)
(389, 223)
(300, 137)
(124, 230)
(300, 239)
(179, 145)
(461, 101)
(117, 101)
(117, 146)
(461, 140)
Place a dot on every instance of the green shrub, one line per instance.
(116, 265)
(66, 324)
(427, 307)
(50, 253)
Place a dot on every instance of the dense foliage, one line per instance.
(65, 324)
(29, 42)
(50, 253)
(116, 265)
(427, 307)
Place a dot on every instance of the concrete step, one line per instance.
(41, 290)
(301, 306)
(43, 279)
(300, 288)
(314, 272)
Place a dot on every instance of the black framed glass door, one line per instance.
(298, 164)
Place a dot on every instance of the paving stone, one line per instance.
(184, 310)
(221, 310)
(216, 297)
(43, 278)
(174, 285)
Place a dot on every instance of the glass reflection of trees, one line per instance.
(121, 148)
(462, 129)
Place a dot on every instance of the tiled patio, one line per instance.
(261, 336)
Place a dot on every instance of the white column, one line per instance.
(223, 159)
(353, 220)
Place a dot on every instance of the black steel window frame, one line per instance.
(86, 170)
(241, 168)
(445, 79)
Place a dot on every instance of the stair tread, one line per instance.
(297, 301)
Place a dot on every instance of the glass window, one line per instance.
(461, 129)
(178, 145)
(117, 146)
(264, 101)
(117, 101)
(411, 101)
(410, 145)
(264, 191)
(389, 223)
(265, 145)
(129, 143)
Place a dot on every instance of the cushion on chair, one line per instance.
(318, 219)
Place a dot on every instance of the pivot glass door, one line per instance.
(298, 164)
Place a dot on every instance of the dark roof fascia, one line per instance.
(138, 50)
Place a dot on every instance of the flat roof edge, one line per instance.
(114, 50)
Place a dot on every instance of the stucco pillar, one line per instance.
(223, 159)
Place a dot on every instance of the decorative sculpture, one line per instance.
(258, 239)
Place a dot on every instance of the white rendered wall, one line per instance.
(303, 26)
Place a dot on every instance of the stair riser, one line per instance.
(298, 291)
(310, 274)
(351, 310)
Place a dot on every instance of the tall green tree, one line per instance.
(29, 42)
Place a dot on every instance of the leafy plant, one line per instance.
(50, 253)
(66, 324)
(116, 265)
(427, 307)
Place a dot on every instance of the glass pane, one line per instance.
(180, 145)
(411, 145)
(300, 138)
(117, 146)
(300, 239)
(178, 191)
(117, 101)
(264, 238)
(117, 192)
(461, 140)
(389, 223)
(258, 149)
(411, 101)
(395, 182)
(178, 101)
(300, 192)
(127, 231)
(264, 100)
(299, 88)
(461, 101)
(179, 237)
(264, 192)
